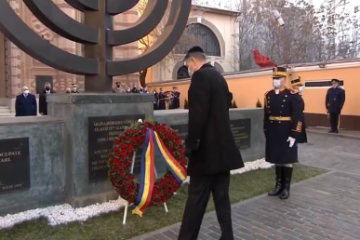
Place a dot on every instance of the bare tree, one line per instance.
(146, 42)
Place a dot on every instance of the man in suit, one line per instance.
(25, 104)
(209, 146)
(334, 102)
(42, 98)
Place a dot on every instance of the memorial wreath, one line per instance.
(148, 190)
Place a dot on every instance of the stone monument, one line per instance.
(91, 119)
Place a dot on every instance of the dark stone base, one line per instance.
(348, 122)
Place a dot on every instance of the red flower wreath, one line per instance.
(120, 161)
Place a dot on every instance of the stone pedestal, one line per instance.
(92, 121)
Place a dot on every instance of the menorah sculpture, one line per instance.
(97, 35)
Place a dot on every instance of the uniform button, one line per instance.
(280, 111)
(279, 122)
(271, 121)
(282, 105)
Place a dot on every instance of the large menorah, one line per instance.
(97, 35)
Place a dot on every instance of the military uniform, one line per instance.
(303, 136)
(283, 124)
(162, 98)
(335, 99)
(74, 89)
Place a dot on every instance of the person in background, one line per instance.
(141, 90)
(334, 102)
(74, 89)
(25, 104)
(128, 90)
(162, 99)
(135, 89)
(210, 147)
(117, 88)
(297, 85)
(68, 90)
(282, 127)
(156, 99)
(146, 90)
(176, 98)
(42, 98)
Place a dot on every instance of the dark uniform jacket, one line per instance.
(209, 135)
(176, 100)
(42, 102)
(303, 136)
(335, 99)
(25, 106)
(283, 118)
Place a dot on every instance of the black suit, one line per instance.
(42, 102)
(213, 152)
(25, 105)
(334, 102)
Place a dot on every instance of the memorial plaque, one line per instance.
(102, 132)
(241, 129)
(182, 130)
(14, 164)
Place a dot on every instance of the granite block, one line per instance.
(47, 163)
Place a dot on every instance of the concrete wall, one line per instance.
(47, 168)
(257, 148)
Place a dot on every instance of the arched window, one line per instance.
(197, 34)
(183, 72)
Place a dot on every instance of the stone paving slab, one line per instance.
(326, 207)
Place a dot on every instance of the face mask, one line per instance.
(277, 83)
(47, 88)
(300, 89)
(26, 92)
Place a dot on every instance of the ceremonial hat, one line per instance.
(334, 80)
(296, 82)
(279, 72)
(195, 49)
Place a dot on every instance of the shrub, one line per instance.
(258, 104)
(186, 104)
(234, 105)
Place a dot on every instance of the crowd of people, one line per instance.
(26, 105)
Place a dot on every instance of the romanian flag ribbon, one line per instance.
(147, 177)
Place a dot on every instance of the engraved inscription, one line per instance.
(14, 164)
(102, 133)
(241, 130)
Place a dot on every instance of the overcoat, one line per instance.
(42, 102)
(25, 106)
(283, 118)
(335, 99)
(176, 101)
(303, 136)
(210, 137)
(162, 98)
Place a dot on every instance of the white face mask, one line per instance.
(301, 89)
(277, 83)
(26, 92)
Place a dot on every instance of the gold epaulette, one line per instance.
(267, 92)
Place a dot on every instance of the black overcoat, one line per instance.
(42, 102)
(25, 106)
(283, 118)
(162, 98)
(209, 135)
(303, 136)
(176, 101)
(335, 99)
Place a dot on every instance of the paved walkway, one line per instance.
(323, 208)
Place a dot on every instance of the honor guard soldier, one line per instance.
(297, 85)
(282, 127)
(334, 102)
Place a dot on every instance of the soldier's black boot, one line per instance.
(287, 171)
(278, 181)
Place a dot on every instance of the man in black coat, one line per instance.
(210, 147)
(334, 102)
(42, 98)
(283, 123)
(297, 85)
(25, 104)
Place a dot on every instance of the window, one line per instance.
(197, 34)
(321, 84)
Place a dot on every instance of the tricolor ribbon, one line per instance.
(147, 174)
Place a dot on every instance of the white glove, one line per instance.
(291, 141)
